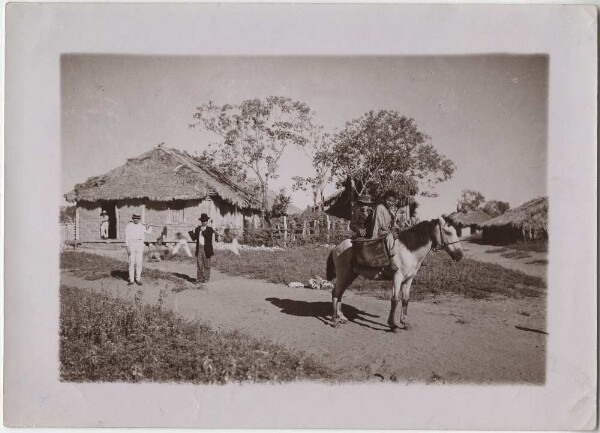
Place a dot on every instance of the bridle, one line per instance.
(439, 247)
(442, 239)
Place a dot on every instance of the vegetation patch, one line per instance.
(516, 255)
(113, 340)
(538, 262)
(439, 276)
(95, 267)
(497, 250)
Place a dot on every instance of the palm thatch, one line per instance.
(163, 174)
(468, 219)
(526, 222)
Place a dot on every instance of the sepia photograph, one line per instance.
(349, 216)
(269, 219)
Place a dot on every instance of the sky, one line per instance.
(487, 113)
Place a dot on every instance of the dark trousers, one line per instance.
(202, 267)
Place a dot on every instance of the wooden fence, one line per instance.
(286, 231)
(67, 232)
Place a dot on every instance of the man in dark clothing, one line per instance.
(362, 218)
(203, 235)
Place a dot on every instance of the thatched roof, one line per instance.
(466, 219)
(530, 215)
(163, 174)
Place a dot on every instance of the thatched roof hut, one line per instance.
(468, 219)
(169, 188)
(528, 222)
(163, 174)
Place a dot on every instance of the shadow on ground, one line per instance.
(322, 311)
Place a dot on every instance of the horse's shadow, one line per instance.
(322, 311)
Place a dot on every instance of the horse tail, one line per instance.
(330, 267)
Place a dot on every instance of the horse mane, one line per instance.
(417, 236)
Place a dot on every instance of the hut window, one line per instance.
(176, 212)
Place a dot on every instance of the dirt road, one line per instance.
(454, 340)
(533, 264)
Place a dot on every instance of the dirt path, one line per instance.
(454, 339)
(485, 253)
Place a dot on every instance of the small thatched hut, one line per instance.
(169, 189)
(528, 222)
(470, 220)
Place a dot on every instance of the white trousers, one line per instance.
(182, 243)
(104, 231)
(136, 254)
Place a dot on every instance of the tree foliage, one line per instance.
(281, 204)
(470, 200)
(318, 147)
(495, 208)
(384, 150)
(254, 134)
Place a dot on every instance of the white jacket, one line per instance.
(135, 234)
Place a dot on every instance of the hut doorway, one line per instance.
(111, 209)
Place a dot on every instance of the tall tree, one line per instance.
(385, 150)
(254, 134)
(318, 149)
(470, 200)
(495, 208)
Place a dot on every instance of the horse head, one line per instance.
(445, 237)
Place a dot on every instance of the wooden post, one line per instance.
(77, 223)
(117, 221)
(304, 230)
(285, 231)
(328, 226)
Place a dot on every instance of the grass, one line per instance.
(440, 276)
(516, 255)
(497, 250)
(95, 267)
(538, 262)
(534, 247)
(113, 340)
(531, 247)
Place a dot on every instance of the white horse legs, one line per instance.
(405, 298)
(341, 284)
(399, 287)
(394, 303)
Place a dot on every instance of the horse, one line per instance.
(407, 249)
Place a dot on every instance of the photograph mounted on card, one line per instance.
(243, 218)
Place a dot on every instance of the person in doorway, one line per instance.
(134, 244)
(204, 236)
(362, 218)
(104, 225)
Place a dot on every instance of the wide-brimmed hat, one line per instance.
(136, 216)
(204, 218)
(365, 199)
(103, 212)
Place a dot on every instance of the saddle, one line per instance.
(372, 259)
(371, 253)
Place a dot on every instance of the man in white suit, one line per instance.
(134, 244)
